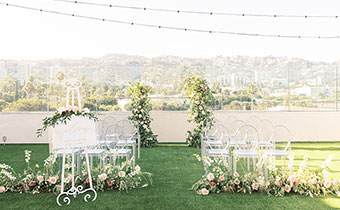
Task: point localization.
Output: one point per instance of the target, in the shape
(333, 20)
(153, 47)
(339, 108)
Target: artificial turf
(174, 171)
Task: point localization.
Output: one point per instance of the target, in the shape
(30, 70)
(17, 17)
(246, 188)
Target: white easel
(66, 134)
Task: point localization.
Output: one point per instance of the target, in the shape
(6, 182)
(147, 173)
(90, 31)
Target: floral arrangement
(62, 115)
(280, 181)
(140, 117)
(200, 97)
(34, 180)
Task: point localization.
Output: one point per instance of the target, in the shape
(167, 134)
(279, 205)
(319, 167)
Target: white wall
(172, 126)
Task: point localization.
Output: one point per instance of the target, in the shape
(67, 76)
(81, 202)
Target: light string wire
(165, 27)
(197, 12)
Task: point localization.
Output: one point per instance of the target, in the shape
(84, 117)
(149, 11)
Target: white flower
(144, 126)
(69, 108)
(210, 176)
(236, 174)
(140, 116)
(121, 174)
(61, 109)
(102, 176)
(200, 107)
(197, 102)
(139, 107)
(195, 115)
(137, 168)
(204, 191)
(2, 189)
(86, 110)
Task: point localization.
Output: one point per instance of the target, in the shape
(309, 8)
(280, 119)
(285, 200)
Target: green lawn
(174, 171)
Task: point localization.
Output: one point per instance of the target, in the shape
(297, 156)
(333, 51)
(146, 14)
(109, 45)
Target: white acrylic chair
(227, 122)
(282, 135)
(110, 120)
(234, 127)
(112, 142)
(128, 136)
(255, 121)
(210, 149)
(211, 135)
(266, 133)
(249, 134)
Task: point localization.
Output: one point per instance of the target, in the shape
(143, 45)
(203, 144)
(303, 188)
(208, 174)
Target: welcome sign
(78, 132)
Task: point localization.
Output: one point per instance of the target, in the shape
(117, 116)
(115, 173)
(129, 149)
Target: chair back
(255, 121)
(266, 130)
(249, 134)
(235, 125)
(282, 138)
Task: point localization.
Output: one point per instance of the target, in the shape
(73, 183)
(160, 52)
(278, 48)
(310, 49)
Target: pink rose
(52, 180)
(236, 174)
(2, 189)
(87, 180)
(102, 176)
(26, 187)
(327, 184)
(287, 188)
(40, 178)
(31, 183)
(278, 183)
(255, 186)
(261, 173)
(84, 173)
(143, 90)
(109, 182)
(211, 184)
(210, 176)
(204, 191)
(197, 102)
(221, 178)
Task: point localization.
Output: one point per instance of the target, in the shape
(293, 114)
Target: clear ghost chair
(229, 120)
(210, 135)
(255, 121)
(110, 120)
(101, 126)
(248, 134)
(234, 127)
(112, 142)
(281, 146)
(128, 136)
(266, 133)
(213, 150)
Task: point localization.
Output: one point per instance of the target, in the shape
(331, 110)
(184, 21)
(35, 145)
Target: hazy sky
(33, 35)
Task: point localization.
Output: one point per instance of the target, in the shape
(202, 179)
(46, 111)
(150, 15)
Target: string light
(198, 12)
(166, 27)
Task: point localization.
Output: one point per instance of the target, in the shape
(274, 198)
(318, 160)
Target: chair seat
(127, 143)
(217, 152)
(233, 143)
(214, 142)
(276, 153)
(93, 152)
(246, 153)
(67, 151)
(263, 143)
(120, 152)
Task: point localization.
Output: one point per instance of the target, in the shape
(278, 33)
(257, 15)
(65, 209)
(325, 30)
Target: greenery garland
(280, 182)
(36, 179)
(62, 115)
(140, 117)
(200, 98)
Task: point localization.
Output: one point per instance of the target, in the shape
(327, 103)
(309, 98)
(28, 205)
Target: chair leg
(248, 161)
(254, 163)
(235, 164)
